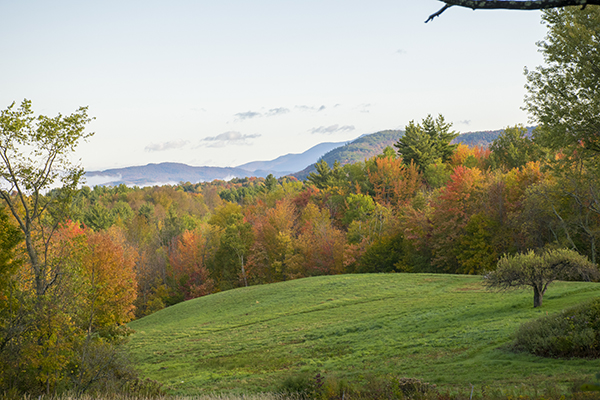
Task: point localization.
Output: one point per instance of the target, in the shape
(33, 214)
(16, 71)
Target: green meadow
(447, 330)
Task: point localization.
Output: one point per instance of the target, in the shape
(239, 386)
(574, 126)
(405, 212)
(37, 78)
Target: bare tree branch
(511, 5)
(437, 14)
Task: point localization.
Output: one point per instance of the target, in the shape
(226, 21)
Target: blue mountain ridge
(298, 165)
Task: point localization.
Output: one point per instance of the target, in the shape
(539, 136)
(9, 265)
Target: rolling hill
(444, 329)
(360, 149)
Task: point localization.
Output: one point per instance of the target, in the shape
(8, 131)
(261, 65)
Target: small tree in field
(539, 270)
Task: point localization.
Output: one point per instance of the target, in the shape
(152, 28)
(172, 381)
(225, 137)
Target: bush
(574, 332)
(319, 387)
(301, 384)
(411, 387)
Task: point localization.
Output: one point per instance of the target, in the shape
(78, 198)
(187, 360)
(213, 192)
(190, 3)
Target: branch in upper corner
(512, 4)
(437, 14)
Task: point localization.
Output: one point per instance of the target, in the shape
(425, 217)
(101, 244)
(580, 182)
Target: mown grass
(444, 329)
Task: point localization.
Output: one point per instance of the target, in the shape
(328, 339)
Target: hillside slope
(373, 144)
(445, 329)
(360, 149)
(482, 138)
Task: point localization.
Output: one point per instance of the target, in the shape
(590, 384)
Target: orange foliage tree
(110, 279)
(467, 156)
(274, 236)
(319, 248)
(394, 183)
(108, 290)
(188, 258)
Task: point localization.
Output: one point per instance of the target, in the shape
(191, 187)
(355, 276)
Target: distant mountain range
(291, 163)
(167, 173)
(173, 173)
(298, 165)
(483, 138)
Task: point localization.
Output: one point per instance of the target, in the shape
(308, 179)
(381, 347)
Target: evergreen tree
(424, 143)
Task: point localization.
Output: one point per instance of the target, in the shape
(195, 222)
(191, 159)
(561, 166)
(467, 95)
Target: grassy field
(445, 329)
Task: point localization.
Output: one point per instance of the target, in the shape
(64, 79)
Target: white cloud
(364, 108)
(311, 108)
(175, 144)
(277, 111)
(332, 129)
(255, 114)
(228, 138)
(247, 115)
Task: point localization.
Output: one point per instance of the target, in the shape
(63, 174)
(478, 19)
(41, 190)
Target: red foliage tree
(451, 211)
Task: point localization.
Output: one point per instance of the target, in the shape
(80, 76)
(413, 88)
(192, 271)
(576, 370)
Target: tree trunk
(243, 271)
(38, 271)
(537, 297)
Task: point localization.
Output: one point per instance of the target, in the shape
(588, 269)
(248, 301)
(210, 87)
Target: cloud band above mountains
(254, 114)
(228, 138)
(328, 130)
(164, 146)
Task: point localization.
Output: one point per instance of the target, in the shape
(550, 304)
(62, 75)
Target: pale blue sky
(226, 82)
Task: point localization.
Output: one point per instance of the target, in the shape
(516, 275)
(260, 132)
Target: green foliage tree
(322, 176)
(513, 148)
(567, 204)
(564, 95)
(476, 250)
(326, 176)
(270, 183)
(359, 208)
(34, 156)
(50, 289)
(437, 174)
(235, 241)
(10, 236)
(382, 255)
(538, 270)
(424, 143)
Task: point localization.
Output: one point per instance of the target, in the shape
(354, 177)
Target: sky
(222, 83)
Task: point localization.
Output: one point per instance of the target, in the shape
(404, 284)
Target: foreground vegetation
(444, 329)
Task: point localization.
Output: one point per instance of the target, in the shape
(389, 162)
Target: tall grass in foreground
(516, 394)
(263, 396)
